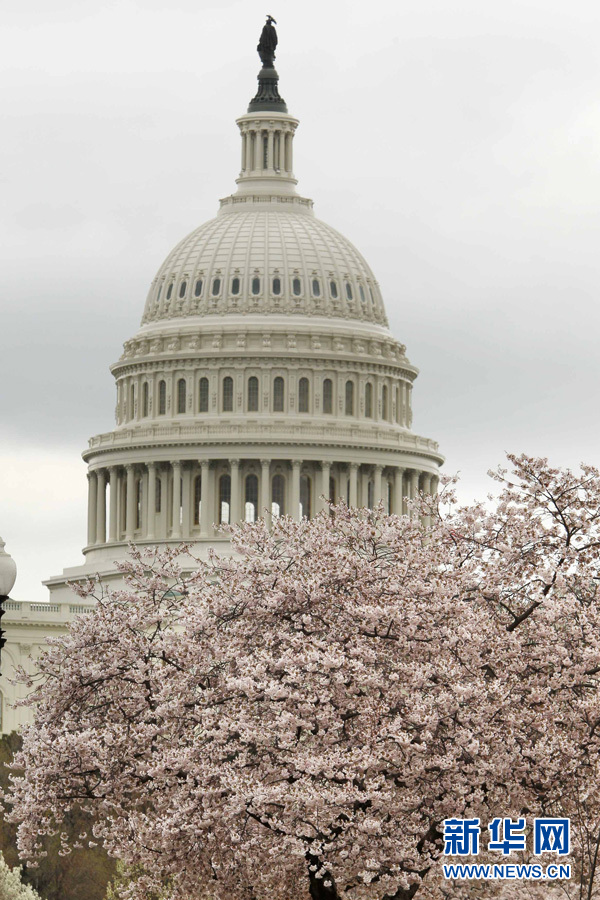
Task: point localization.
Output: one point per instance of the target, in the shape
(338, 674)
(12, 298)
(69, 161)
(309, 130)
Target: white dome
(255, 260)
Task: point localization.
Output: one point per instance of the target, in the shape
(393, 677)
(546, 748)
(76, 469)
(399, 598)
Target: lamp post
(8, 575)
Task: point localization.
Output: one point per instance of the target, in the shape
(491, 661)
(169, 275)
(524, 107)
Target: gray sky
(456, 144)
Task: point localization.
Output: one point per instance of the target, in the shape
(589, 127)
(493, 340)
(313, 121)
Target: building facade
(263, 380)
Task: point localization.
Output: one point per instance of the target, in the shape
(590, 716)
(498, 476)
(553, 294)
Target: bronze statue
(267, 44)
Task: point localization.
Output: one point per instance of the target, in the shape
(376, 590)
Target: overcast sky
(456, 144)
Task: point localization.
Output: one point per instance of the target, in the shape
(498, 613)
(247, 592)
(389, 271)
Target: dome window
(296, 287)
(305, 496)
(256, 286)
(169, 291)
(131, 402)
(333, 289)
(303, 395)
(278, 394)
(162, 398)
(277, 495)
(203, 395)
(235, 286)
(348, 290)
(224, 499)
(384, 403)
(253, 394)
(316, 287)
(216, 287)
(228, 394)
(145, 399)
(251, 502)
(328, 396)
(197, 499)
(369, 400)
(277, 286)
(198, 288)
(182, 289)
(349, 406)
(181, 392)
(362, 293)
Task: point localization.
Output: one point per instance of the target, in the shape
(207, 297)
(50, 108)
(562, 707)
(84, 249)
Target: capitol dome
(263, 379)
(265, 258)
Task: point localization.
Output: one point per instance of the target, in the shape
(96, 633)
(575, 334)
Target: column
(101, 507)
(151, 504)
(131, 503)
(364, 487)
(414, 483)
(265, 487)
(186, 502)
(324, 488)
(234, 512)
(176, 504)
(204, 501)
(113, 524)
(270, 150)
(377, 473)
(295, 503)
(92, 504)
(353, 484)
(398, 498)
(243, 166)
(257, 150)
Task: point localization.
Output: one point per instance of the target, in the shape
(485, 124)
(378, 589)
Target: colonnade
(181, 499)
(266, 148)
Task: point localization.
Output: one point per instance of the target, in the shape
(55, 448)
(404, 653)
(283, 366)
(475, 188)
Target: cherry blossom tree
(298, 720)
(11, 886)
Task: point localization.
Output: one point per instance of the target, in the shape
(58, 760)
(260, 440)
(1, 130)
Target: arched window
(198, 287)
(333, 289)
(145, 399)
(305, 496)
(349, 408)
(316, 287)
(203, 395)
(131, 401)
(384, 403)
(303, 395)
(348, 290)
(158, 495)
(235, 286)
(253, 394)
(256, 286)
(169, 291)
(138, 503)
(328, 396)
(181, 395)
(228, 394)
(162, 397)
(251, 504)
(276, 286)
(278, 394)
(197, 499)
(296, 287)
(216, 286)
(278, 495)
(369, 400)
(224, 499)
(182, 288)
